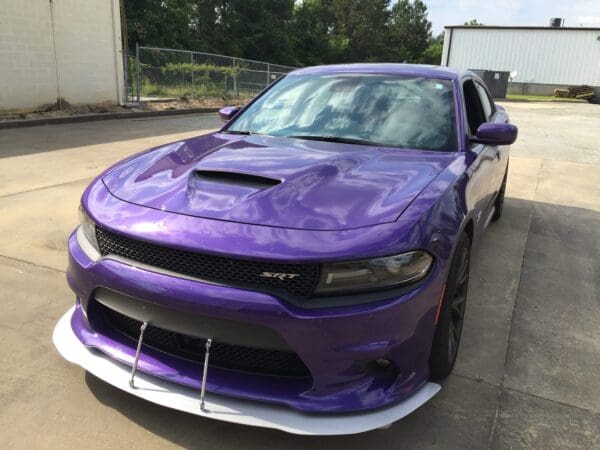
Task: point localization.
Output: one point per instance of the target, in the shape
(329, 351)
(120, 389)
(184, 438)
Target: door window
(486, 103)
(475, 112)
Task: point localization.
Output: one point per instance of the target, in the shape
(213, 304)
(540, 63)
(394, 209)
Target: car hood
(280, 182)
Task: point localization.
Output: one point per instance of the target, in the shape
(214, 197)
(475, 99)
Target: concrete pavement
(527, 374)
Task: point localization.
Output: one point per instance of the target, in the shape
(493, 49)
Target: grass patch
(205, 90)
(542, 98)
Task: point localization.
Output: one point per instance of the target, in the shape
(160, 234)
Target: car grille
(229, 271)
(227, 356)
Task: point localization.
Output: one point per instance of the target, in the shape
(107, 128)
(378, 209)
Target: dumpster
(496, 81)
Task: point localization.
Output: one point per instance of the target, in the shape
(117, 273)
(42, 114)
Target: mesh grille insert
(227, 356)
(234, 272)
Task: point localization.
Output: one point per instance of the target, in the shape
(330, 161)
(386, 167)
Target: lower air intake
(227, 356)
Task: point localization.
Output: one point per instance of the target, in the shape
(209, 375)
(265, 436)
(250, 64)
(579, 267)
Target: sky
(513, 12)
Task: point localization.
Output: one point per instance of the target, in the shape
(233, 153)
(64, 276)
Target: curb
(102, 116)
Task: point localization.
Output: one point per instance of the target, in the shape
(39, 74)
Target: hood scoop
(236, 178)
(216, 191)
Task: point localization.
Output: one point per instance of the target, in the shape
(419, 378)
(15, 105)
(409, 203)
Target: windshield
(394, 111)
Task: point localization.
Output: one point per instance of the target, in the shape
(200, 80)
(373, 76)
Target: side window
(475, 113)
(488, 108)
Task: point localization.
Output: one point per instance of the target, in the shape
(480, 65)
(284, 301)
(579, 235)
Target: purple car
(304, 268)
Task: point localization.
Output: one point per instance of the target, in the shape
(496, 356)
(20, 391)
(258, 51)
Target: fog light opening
(381, 367)
(383, 363)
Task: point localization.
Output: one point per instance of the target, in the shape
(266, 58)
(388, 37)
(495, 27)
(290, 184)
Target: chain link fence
(160, 73)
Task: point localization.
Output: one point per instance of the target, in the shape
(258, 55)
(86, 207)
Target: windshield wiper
(244, 132)
(339, 139)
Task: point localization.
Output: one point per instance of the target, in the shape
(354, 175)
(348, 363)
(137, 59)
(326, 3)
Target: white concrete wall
(60, 48)
(546, 56)
(27, 66)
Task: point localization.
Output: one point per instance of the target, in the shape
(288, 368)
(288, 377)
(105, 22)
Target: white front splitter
(226, 408)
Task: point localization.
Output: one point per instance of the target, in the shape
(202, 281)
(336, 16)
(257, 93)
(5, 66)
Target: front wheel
(448, 330)
(499, 202)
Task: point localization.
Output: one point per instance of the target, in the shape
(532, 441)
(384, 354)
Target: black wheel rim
(500, 200)
(458, 301)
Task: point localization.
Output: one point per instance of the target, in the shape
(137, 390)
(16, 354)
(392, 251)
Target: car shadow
(190, 431)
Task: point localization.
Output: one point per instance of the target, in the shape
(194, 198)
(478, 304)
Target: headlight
(88, 227)
(370, 274)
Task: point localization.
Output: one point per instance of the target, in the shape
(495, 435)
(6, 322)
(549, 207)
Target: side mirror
(227, 113)
(495, 134)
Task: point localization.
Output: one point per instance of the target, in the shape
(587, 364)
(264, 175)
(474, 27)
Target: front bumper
(225, 408)
(335, 344)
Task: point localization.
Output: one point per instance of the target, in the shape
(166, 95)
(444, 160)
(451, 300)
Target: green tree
(310, 32)
(433, 52)
(473, 23)
(257, 29)
(410, 31)
(164, 23)
(359, 30)
(286, 31)
(206, 24)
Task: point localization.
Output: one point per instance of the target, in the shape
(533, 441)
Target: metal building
(58, 50)
(540, 59)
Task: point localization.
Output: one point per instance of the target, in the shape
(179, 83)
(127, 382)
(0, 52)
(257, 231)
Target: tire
(499, 202)
(448, 330)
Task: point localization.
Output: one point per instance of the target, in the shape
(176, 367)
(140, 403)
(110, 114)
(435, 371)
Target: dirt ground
(66, 110)
(527, 374)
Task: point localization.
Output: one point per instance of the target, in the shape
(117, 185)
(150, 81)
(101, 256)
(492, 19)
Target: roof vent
(556, 22)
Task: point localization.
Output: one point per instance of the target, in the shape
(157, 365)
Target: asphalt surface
(529, 364)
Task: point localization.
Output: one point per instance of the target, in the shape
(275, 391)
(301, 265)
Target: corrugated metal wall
(549, 56)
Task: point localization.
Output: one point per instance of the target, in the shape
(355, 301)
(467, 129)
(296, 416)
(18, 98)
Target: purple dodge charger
(305, 267)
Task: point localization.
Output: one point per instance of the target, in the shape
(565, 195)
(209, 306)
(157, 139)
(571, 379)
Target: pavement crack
(558, 402)
(11, 194)
(40, 266)
(477, 380)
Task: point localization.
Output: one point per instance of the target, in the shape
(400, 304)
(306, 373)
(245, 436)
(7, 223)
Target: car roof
(385, 68)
